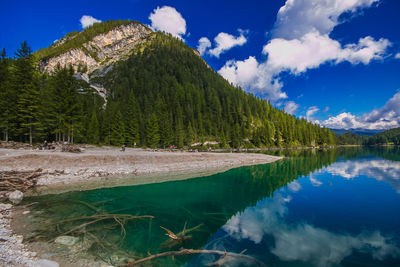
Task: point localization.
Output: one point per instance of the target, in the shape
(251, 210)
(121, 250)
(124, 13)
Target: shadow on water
(205, 203)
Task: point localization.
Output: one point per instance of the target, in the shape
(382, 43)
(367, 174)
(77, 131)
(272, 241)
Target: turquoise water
(338, 207)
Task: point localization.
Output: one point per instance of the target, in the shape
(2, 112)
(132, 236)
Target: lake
(336, 207)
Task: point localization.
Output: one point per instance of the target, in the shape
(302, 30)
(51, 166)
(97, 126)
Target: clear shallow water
(315, 208)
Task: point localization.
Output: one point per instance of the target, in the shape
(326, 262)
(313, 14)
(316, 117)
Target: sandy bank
(105, 167)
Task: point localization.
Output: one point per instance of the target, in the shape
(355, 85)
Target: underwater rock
(46, 263)
(66, 240)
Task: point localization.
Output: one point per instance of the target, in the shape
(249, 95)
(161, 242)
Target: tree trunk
(30, 135)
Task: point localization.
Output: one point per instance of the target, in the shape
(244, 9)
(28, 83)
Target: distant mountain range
(358, 131)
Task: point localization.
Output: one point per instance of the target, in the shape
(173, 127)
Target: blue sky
(335, 62)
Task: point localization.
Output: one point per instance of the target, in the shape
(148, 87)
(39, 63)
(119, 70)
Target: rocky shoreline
(13, 252)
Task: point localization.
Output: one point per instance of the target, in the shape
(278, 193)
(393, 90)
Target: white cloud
(311, 112)
(302, 241)
(204, 44)
(252, 76)
(385, 117)
(87, 21)
(314, 49)
(397, 56)
(291, 107)
(300, 41)
(225, 41)
(169, 20)
(299, 17)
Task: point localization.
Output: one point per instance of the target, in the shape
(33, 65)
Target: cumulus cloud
(313, 49)
(386, 117)
(291, 107)
(302, 241)
(397, 56)
(169, 20)
(87, 21)
(204, 44)
(225, 41)
(299, 17)
(300, 41)
(253, 77)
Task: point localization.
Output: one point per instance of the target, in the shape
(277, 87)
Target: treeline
(391, 136)
(162, 95)
(36, 107)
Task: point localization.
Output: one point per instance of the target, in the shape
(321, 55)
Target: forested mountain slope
(162, 94)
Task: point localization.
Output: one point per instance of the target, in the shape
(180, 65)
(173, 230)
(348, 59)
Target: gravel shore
(106, 167)
(12, 251)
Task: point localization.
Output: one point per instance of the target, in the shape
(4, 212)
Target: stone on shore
(16, 197)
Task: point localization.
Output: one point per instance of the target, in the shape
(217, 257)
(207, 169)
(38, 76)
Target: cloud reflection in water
(379, 169)
(303, 241)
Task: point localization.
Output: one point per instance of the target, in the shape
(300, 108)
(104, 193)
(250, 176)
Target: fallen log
(225, 257)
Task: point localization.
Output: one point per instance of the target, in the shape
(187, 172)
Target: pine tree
(191, 135)
(117, 137)
(8, 98)
(132, 121)
(152, 132)
(27, 87)
(93, 130)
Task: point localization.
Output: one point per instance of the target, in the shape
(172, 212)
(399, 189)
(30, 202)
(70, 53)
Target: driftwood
(225, 257)
(14, 145)
(18, 180)
(179, 238)
(70, 148)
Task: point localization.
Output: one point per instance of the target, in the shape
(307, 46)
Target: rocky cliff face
(102, 50)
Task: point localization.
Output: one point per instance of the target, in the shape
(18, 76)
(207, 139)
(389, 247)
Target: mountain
(94, 48)
(358, 131)
(118, 82)
(391, 136)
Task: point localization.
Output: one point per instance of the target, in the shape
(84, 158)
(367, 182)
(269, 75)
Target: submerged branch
(228, 256)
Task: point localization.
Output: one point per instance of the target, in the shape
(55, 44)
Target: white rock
(19, 238)
(16, 196)
(66, 240)
(5, 206)
(45, 263)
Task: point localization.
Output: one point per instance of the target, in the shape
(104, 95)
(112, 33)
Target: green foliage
(26, 85)
(152, 131)
(77, 39)
(351, 139)
(61, 108)
(117, 137)
(391, 136)
(93, 136)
